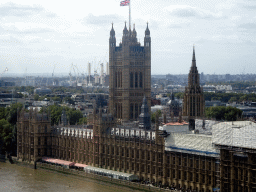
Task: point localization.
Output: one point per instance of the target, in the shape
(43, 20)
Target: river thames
(20, 178)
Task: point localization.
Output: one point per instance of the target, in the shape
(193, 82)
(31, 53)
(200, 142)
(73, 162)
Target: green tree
(69, 100)
(56, 112)
(82, 121)
(154, 115)
(223, 113)
(179, 95)
(3, 113)
(73, 115)
(232, 99)
(243, 98)
(6, 135)
(36, 97)
(12, 113)
(56, 99)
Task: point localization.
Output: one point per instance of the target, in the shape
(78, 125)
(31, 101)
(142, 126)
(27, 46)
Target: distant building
(225, 88)
(214, 103)
(29, 81)
(175, 88)
(42, 91)
(6, 83)
(209, 88)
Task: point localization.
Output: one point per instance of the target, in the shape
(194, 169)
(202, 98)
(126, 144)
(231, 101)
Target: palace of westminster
(124, 139)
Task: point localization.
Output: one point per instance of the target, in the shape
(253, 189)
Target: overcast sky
(41, 34)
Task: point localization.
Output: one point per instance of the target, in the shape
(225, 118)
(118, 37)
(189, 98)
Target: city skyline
(36, 37)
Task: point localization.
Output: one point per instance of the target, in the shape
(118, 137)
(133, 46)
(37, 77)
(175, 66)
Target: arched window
(141, 80)
(131, 79)
(136, 80)
(121, 79)
(136, 111)
(131, 111)
(115, 79)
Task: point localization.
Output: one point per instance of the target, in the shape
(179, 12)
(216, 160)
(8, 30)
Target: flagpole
(130, 15)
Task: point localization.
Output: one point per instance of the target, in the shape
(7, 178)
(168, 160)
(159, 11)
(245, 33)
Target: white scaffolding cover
(237, 134)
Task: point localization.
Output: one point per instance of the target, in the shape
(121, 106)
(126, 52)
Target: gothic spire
(194, 58)
(125, 28)
(125, 31)
(147, 32)
(112, 31)
(193, 108)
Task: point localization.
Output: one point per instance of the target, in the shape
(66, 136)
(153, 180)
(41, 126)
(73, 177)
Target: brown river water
(20, 178)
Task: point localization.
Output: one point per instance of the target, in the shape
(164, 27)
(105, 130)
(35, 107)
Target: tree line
(224, 97)
(223, 113)
(8, 128)
(73, 116)
(235, 84)
(8, 121)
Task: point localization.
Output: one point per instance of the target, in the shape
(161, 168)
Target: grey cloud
(142, 24)
(102, 19)
(187, 12)
(178, 26)
(247, 26)
(250, 43)
(33, 31)
(152, 25)
(30, 31)
(11, 40)
(12, 9)
(248, 4)
(51, 15)
(250, 7)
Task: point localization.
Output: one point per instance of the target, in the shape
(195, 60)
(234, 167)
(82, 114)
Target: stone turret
(144, 118)
(64, 120)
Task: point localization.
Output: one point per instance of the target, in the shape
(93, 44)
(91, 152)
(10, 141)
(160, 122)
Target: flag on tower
(125, 3)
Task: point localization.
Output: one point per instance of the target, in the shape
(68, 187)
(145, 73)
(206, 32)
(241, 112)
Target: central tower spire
(194, 57)
(193, 102)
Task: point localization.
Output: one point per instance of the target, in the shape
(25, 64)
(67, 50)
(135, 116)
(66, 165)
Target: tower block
(130, 74)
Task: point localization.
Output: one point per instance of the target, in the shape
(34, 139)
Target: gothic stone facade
(143, 156)
(237, 169)
(33, 135)
(130, 74)
(193, 102)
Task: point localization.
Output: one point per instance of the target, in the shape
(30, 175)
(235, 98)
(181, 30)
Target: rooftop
(240, 134)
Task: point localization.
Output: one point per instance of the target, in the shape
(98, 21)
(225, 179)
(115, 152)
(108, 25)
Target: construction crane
(70, 75)
(89, 74)
(53, 80)
(107, 69)
(101, 73)
(5, 70)
(77, 74)
(72, 68)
